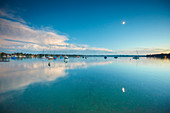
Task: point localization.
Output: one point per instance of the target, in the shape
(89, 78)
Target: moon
(123, 22)
(123, 89)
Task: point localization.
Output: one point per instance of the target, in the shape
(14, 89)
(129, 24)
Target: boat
(85, 57)
(19, 56)
(136, 56)
(78, 56)
(65, 57)
(8, 56)
(115, 57)
(13, 57)
(50, 58)
(105, 57)
(4, 56)
(61, 57)
(54, 57)
(43, 57)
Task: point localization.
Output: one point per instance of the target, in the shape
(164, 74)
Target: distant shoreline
(162, 55)
(72, 55)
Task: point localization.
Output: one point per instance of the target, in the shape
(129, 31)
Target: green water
(92, 85)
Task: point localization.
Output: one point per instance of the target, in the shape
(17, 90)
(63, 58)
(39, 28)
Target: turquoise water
(92, 85)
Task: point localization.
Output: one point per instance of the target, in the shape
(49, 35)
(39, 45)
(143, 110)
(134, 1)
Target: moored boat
(19, 56)
(50, 58)
(65, 57)
(13, 57)
(61, 57)
(4, 56)
(115, 57)
(43, 57)
(54, 57)
(136, 57)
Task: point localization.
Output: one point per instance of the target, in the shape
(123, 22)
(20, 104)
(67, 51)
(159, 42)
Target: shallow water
(85, 85)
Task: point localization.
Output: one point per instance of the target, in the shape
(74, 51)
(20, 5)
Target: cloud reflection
(20, 74)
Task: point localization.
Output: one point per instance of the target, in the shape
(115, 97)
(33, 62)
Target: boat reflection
(66, 60)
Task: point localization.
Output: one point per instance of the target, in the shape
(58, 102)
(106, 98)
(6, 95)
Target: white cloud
(15, 36)
(143, 51)
(9, 14)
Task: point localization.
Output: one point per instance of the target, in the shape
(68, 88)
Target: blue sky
(87, 26)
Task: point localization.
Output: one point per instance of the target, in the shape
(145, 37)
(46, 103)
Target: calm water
(85, 86)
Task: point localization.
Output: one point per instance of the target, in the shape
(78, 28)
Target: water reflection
(123, 89)
(19, 74)
(85, 85)
(66, 60)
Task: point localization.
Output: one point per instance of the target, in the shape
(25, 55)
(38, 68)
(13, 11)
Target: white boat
(50, 58)
(43, 57)
(8, 56)
(65, 57)
(4, 56)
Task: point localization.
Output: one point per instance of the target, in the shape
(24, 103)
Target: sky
(85, 26)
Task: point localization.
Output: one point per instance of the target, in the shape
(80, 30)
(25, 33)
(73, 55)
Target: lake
(93, 85)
